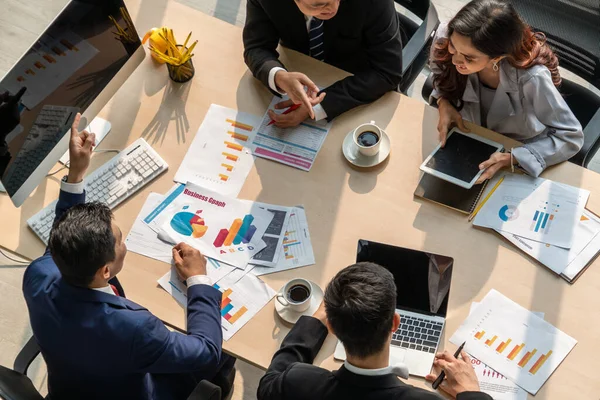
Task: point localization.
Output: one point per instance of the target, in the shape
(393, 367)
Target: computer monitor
(76, 65)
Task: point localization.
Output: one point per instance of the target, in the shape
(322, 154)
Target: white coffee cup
(368, 151)
(285, 298)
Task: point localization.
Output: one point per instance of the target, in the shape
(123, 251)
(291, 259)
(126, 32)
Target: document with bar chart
(221, 227)
(297, 250)
(536, 209)
(220, 156)
(513, 341)
(242, 299)
(274, 235)
(297, 147)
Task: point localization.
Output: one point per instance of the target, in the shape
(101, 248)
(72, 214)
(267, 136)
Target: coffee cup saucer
(290, 316)
(354, 157)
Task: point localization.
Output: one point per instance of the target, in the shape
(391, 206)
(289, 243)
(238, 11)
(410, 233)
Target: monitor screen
(61, 74)
(422, 279)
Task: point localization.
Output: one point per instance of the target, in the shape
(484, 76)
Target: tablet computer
(458, 161)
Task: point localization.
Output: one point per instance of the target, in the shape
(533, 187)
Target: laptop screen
(422, 279)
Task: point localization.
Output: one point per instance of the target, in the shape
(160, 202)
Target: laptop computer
(423, 287)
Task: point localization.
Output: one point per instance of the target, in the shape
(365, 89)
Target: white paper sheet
(297, 147)
(220, 156)
(534, 208)
(494, 383)
(221, 227)
(297, 248)
(557, 258)
(535, 350)
(274, 235)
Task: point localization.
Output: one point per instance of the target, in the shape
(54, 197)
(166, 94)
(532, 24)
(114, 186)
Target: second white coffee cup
(367, 138)
(296, 295)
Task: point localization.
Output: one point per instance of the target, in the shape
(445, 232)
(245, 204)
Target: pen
(294, 107)
(440, 378)
(486, 199)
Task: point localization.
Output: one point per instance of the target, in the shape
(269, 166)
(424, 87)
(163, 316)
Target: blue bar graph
(243, 229)
(539, 221)
(226, 309)
(545, 220)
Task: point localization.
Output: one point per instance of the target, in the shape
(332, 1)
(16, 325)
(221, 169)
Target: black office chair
(573, 31)
(15, 385)
(416, 51)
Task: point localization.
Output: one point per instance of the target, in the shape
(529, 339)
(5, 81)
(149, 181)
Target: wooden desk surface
(343, 204)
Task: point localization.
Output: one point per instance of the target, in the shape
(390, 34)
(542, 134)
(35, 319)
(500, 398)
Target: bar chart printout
(513, 341)
(241, 300)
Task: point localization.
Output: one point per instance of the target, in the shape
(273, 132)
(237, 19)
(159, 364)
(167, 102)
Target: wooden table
(343, 204)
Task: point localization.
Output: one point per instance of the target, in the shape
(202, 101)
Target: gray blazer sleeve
(562, 137)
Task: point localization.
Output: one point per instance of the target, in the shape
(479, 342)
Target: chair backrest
(573, 31)
(16, 386)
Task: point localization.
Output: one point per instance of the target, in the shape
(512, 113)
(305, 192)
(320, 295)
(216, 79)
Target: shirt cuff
(272, 84)
(199, 280)
(319, 112)
(73, 188)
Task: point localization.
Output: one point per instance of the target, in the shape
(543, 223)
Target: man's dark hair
(82, 241)
(360, 303)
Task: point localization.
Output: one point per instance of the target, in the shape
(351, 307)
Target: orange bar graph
(491, 341)
(503, 345)
(238, 136)
(226, 294)
(479, 335)
(234, 146)
(538, 364)
(235, 227)
(225, 301)
(223, 177)
(230, 156)
(237, 315)
(240, 125)
(227, 167)
(515, 351)
(527, 357)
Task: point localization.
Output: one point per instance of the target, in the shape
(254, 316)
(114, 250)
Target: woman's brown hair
(495, 29)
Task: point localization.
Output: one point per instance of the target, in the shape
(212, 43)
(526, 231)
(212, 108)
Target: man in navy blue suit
(96, 343)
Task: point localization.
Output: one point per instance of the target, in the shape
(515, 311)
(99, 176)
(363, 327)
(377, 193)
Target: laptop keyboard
(418, 334)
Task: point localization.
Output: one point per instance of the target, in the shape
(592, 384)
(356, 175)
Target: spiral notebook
(448, 194)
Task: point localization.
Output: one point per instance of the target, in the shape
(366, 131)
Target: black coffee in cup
(367, 139)
(298, 293)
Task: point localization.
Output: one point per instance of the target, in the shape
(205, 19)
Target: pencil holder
(184, 72)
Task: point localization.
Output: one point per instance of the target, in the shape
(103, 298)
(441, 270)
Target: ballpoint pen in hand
(294, 107)
(442, 375)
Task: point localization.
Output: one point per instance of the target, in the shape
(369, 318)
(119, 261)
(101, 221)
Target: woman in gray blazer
(490, 68)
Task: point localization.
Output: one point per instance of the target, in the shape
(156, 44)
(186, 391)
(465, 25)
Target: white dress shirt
(400, 370)
(318, 109)
(77, 188)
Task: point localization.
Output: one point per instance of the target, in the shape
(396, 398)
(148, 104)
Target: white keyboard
(112, 183)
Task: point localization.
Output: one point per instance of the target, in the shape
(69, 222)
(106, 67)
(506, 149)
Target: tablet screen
(461, 156)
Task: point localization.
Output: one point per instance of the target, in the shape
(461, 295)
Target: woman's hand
(495, 163)
(449, 117)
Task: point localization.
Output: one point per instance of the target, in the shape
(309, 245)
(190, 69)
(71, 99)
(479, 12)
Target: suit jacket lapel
(507, 94)
(379, 382)
(297, 28)
(471, 100)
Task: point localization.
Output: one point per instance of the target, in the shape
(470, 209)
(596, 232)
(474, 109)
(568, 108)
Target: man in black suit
(359, 308)
(360, 36)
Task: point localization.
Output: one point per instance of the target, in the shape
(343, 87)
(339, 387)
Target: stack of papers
(513, 341)
(546, 220)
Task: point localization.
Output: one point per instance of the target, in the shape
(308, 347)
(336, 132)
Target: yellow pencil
(486, 199)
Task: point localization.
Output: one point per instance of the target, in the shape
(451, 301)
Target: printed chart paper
(534, 208)
(557, 258)
(221, 227)
(513, 341)
(153, 217)
(176, 287)
(274, 235)
(220, 156)
(296, 247)
(297, 147)
(241, 301)
(494, 383)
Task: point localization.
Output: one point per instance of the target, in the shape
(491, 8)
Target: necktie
(114, 288)
(315, 39)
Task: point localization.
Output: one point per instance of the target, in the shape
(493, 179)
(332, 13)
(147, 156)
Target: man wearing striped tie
(362, 37)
